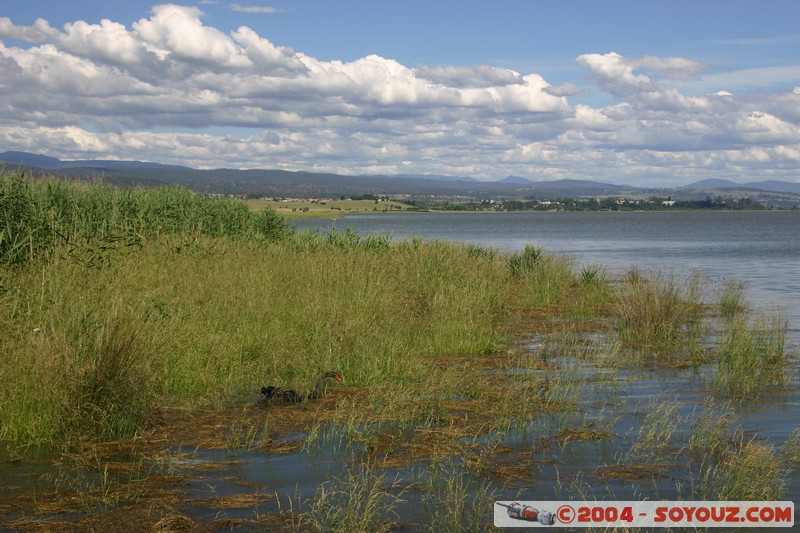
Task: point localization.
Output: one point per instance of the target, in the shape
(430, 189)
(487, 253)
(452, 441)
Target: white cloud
(678, 68)
(615, 74)
(172, 88)
(479, 76)
(108, 41)
(176, 32)
(39, 32)
(265, 56)
(567, 89)
(255, 9)
(742, 80)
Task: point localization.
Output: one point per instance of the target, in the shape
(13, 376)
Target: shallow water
(551, 465)
(557, 468)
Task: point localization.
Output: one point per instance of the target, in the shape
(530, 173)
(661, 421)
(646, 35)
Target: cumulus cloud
(174, 88)
(267, 57)
(39, 32)
(615, 74)
(255, 9)
(479, 76)
(177, 32)
(567, 89)
(678, 68)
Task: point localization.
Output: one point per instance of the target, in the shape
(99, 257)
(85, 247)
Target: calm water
(760, 249)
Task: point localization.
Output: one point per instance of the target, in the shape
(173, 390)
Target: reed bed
(657, 311)
(752, 356)
(361, 501)
(197, 315)
(93, 220)
(122, 311)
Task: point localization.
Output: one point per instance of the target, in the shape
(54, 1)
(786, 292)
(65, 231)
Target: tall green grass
(652, 441)
(36, 217)
(657, 310)
(732, 302)
(456, 503)
(752, 356)
(358, 502)
(732, 465)
(190, 318)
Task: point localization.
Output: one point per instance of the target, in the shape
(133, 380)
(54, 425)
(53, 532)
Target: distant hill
(516, 180)
(710, 184)
(768, 185)
(432, 177)
(51, 163)
(282, 183)
(568, 187)
(16, 159)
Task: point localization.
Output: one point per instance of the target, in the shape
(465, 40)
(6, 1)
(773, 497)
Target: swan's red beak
(337, 377)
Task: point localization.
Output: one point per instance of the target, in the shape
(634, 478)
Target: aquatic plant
(92, 220)
(652, 443)
(89, 378)
(732, 302)
(457, 504)
(657, 310)
(790, 450)
(749, 470)
(475, 250)
(360, 501)
(590, 275)
(709, 436)
(751, 357)
(526, 261)
(215, 317)
(730, 465)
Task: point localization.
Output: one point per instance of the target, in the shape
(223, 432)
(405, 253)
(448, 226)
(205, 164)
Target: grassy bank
(327, 208)
(191, 316)
(115, 304)
(466, 369)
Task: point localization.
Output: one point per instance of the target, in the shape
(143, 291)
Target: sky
(646, 93)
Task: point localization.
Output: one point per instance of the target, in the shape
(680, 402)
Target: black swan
(274, 394)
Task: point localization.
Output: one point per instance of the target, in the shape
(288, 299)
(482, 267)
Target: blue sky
(634, 92)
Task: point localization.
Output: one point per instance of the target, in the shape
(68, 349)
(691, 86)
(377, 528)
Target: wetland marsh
(135, 354)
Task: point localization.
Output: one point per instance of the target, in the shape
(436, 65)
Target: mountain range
(282, 183)
(767, 185)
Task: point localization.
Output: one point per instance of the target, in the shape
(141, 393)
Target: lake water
(760, 249)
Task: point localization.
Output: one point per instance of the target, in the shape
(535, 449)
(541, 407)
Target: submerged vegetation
(129, 315)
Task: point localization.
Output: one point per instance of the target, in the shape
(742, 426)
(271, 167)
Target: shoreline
(468, 370)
